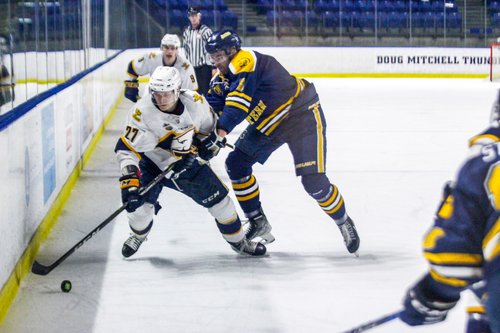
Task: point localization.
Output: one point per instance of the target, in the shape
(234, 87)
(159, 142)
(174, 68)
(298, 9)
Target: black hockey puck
(66, 286)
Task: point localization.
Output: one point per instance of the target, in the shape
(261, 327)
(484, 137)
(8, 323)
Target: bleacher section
(364, 16)
(55, 18)
(174, 12)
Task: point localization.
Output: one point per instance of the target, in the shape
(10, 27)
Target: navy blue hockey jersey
(464, 244)
(258, 89)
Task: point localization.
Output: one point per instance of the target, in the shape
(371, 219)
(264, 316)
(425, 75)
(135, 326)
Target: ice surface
(392, 143)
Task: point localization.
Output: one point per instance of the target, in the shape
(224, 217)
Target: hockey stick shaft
(40, 269)
(374, 323)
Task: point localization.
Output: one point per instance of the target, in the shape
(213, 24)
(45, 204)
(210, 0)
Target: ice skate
(246, 246)
(350, 235)
(258, 226)
(132, 244)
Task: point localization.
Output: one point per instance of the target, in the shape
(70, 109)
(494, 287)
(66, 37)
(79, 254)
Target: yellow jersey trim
(454, 258)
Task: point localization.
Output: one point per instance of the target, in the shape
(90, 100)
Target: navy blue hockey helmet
(223, 40)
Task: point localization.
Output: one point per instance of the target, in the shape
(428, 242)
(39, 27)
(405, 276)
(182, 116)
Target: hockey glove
(185, 164)
(210, 147)
(132, 90)
(421, 310)
(130, 184)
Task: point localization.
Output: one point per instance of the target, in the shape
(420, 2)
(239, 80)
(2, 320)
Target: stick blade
(39, 269)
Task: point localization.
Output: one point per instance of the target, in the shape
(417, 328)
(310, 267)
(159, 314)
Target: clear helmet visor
(219, 57)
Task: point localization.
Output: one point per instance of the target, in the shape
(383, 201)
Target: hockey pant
(200, 184)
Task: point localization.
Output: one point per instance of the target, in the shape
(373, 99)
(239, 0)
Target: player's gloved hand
(211, 146)
(132, 90)
(183, 165)
(130, 184)
(420, 310)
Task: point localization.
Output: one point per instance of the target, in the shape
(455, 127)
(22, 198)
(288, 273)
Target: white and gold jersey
(164, 137)
(147, 63)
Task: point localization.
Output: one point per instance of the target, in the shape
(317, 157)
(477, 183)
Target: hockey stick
(374, 323)
(40, 269)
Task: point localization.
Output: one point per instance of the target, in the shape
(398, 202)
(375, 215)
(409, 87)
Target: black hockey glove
(130, 184)
(132, 90)
(419, 309)
(183, 165)
(211, 146)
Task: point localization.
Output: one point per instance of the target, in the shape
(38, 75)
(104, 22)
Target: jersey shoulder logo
(185, 66)
(244, 61)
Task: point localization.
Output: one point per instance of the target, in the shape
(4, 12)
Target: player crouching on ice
(161, 132)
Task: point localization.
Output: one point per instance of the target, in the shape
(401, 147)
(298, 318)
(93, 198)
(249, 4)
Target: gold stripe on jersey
(446, 280)
(432, 238)
(272, 128)
(476, 309)
(495, 252)
(240, 94)
(166, 136)
(319, 134)
(492, 185)
(125, 142)
(278, 112)
(237, 105)
(454, 258)
(491, 242)
(486, 137)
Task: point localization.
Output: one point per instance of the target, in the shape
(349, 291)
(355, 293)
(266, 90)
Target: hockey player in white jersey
(162, 131)
(147, 63)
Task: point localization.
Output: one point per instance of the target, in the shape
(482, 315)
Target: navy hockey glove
(421, 310)
(130, 184)
(211, 146)
(183, 165)
(132, 90)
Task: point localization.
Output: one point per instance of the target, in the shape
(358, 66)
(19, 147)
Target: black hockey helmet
(223, 40)
(192, 10)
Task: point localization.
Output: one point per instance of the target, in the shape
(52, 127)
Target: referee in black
(195, 36)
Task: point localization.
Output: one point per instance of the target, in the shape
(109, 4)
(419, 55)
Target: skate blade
(356, 254)
(265, 239)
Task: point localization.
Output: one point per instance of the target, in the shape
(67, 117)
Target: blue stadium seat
(229, 19)
(286, 18)
(348, 5)
(330, 19)
(264, 6)
(401, 6)
(495, 20)
(297, 18)
(312, 19)
(271, 17)
(453, 20)
(367, 20)
(429, 20)
(386, 6)
(417, 20)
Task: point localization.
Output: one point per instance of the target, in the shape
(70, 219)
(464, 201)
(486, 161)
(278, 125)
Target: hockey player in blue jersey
(463, 246)
(280, 108)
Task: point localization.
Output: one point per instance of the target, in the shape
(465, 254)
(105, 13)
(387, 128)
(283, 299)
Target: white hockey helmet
(165, 79)
(171, 39)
